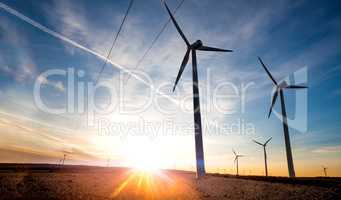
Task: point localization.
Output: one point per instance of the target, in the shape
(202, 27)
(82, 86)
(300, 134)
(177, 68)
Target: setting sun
(142, 155)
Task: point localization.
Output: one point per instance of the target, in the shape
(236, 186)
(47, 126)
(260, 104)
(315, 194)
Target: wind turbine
(192, 48)
(236, 159)
(108, 162)
(279, 90)
(265, 155)
(60, 162)
(325, 171)
(63, 159)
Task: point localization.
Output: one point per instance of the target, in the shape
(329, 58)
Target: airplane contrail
(75, 44)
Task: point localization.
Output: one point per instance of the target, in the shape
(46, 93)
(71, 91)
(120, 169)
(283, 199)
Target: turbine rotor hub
(283, 84)
(197, 44)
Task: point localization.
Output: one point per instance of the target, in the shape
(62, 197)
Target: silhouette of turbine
(236, 159)
(325, 171)
(192, 48)
(279, 90)
(63, 161)
(265, 155)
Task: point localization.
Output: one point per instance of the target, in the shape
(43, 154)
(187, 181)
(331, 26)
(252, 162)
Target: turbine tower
(192, 48)
(279, 91)
(236, 159)
(265, 155)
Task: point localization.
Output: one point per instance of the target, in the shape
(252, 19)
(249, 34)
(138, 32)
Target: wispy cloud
(20, 66)
(328, 149)
(58, 85)
(24, 135)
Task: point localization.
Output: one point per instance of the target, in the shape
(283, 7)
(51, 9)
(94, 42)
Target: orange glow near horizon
(42, 144)
(146, 184)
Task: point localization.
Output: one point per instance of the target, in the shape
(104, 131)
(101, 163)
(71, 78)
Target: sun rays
(150, 184)
(140, 181)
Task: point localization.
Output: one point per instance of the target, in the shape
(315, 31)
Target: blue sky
(288, 35)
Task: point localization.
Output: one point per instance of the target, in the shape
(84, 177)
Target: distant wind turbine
(325, 171)
(60, 162)
(108, 162)
(279, 90)
(192, 48)
(265, 155)
(236, 159)
(63, 161)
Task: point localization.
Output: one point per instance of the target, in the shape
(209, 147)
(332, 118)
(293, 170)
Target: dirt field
(73, 183)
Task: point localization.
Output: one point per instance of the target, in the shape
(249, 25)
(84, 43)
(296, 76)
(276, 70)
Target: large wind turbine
(279, 90)
(265, 155)
(236, 159)
(192, 48)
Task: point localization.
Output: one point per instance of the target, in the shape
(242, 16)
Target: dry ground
(128, 184)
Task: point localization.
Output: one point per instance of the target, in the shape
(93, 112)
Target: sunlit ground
(147, 179)
(122, 183)
(148, 182)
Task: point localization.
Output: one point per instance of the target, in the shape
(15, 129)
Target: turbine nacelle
(197, 44)
(282, 85)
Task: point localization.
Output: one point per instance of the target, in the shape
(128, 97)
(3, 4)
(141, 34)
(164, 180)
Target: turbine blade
(182, 67)
(267, 71)
(205, 48)
(296, 87)
(273, 103)
(257, 142)
(267, 141)
(234, 152)
(177, 25)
